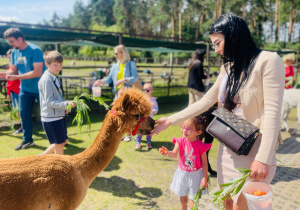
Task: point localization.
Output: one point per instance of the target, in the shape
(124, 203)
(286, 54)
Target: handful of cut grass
(12, 115)
(232, 188)
(82, 109)
(198, 195)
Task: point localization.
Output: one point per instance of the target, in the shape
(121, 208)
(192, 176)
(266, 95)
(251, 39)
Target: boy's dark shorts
(56, 131)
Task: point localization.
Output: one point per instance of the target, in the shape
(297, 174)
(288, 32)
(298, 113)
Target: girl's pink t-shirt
(190, 153)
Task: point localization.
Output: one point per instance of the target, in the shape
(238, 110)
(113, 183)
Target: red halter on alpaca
(137, 126)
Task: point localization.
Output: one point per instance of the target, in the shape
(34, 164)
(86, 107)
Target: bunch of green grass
(82, 109)
(12, 116)
(232, 188)
(198, 195)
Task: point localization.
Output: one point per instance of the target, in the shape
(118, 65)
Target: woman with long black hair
(254, 94)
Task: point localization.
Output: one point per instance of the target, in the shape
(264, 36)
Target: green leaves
(232, 188)
(12, 115)
(198, 195)
(197, 198)
(83, 109)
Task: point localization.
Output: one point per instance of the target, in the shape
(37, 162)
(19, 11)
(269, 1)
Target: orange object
(164, 150)
(258, 193)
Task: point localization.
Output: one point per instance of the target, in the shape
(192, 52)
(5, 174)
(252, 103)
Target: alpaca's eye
(138, 117)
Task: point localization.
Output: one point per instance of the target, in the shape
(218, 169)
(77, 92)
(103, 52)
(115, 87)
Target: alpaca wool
(61, 181)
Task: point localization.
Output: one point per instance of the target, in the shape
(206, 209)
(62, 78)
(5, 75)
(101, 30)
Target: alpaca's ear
(125, 102)
(121, 91)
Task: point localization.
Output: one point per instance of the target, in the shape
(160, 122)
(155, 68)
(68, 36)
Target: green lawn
(133, 179)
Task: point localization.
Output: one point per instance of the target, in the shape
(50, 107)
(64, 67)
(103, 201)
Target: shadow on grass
(121, 187)
(172, 104)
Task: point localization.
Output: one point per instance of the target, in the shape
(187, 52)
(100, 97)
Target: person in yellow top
(123, 73)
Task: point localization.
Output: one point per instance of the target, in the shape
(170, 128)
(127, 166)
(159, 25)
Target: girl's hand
(259, 170)
(67, 111)
(203, 183)
(164, 151)
(161, 124)
(8, 97)
(119, 82)
(72, 104)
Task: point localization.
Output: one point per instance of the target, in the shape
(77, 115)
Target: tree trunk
(172, 19)
(253, 21)
(292, 17)
(272, 22)
(277, 20)
(220, 8)
(197, 27)
(244, 10)
(215, 10)
(180, 21)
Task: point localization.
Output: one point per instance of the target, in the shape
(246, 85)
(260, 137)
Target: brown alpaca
(61, 182)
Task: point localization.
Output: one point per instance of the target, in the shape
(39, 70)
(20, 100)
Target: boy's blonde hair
(53, 56)
(288, 57)
(121, 48)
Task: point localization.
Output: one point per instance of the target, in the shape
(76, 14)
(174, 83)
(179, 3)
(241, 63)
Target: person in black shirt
(196, 74)
(196, 90)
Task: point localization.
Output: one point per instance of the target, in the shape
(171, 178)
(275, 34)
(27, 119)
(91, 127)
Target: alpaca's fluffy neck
(95, 159)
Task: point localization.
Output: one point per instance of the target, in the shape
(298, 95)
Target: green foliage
(134, 53)
(163, 18)
(198, 195)
(102, 12)
(12, 116)
(83, 109)
(294, 46)
(4, 47)
(232, 188)
(277, 46)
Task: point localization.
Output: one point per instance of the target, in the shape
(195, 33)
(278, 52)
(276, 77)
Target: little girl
(192, 169)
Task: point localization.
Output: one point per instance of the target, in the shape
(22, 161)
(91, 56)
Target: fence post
(170, 73)
(120, 39)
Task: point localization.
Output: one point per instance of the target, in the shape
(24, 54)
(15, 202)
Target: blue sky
(34, 11)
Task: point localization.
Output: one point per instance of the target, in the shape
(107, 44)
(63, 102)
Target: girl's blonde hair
(288, 57)
(121, 48)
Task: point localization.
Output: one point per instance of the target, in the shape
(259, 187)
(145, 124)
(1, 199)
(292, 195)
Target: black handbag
(235, 133)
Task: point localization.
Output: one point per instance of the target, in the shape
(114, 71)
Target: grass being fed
(82, 109)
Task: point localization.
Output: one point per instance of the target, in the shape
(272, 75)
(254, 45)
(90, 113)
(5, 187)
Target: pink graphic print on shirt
(190, 153)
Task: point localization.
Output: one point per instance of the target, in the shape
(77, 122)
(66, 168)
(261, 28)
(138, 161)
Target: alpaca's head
(131, 106)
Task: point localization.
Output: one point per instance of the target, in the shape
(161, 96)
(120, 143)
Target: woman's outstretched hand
(99, 82)
(259, 170)
(161, 124)
(119, 82)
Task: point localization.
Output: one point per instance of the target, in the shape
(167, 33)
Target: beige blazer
(261, 99)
